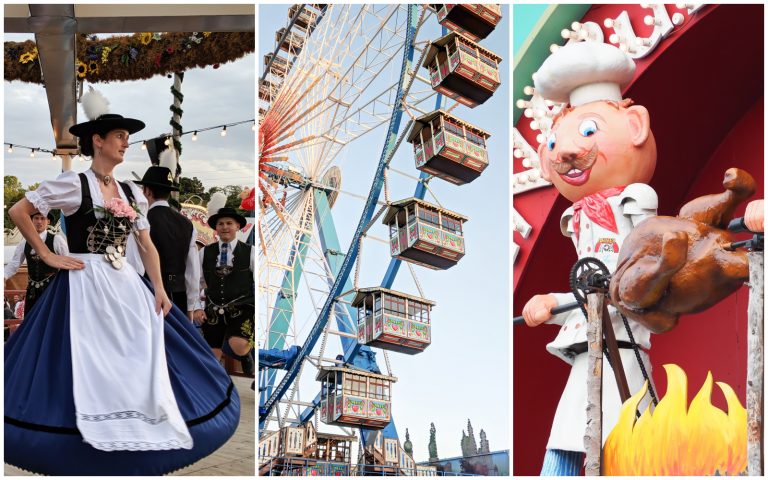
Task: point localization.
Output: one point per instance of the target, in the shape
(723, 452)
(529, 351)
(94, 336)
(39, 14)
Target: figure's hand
(537, 310)
(62, 262)
(754, 216)
(162, 302)
(199, 317)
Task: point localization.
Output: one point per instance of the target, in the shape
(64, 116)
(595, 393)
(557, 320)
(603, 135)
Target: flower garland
(134, 57)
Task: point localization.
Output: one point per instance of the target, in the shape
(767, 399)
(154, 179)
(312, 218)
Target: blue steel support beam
(365, 218)
(283, 312)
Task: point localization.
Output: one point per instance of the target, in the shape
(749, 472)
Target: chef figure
(599, 154)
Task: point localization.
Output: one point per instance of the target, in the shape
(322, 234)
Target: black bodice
(39, 270)
(82, 223)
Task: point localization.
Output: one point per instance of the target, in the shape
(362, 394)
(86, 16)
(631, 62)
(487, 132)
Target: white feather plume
(94, 104)
(167, 159)
(217, 202)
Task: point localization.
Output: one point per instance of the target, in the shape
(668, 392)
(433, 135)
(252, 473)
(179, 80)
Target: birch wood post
(593, 435)
(755, 366)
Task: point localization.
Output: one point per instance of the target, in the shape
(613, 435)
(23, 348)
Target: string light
(32, 153)
(143, 143)
(167, 141)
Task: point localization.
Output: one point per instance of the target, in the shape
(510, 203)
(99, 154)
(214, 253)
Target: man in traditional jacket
(40, 274)
(229, 290)
(173, 235)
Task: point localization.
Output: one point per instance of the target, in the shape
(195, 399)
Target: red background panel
(703, 87)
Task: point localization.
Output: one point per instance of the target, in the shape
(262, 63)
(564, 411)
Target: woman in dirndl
(106, 376)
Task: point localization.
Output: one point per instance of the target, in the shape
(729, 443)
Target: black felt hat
(96, 108)
(51, 217)
(158, 177)
(105, 124)
(226, 212)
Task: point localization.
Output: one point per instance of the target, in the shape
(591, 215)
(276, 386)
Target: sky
(464, 374)
(211, 97)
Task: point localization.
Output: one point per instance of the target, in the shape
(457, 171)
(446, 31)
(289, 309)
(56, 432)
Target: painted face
(40, 222)
(227, 228)
(598, 146)
(114, 145)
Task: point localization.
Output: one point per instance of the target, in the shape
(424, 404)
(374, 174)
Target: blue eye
(551, 140)
(587, 128)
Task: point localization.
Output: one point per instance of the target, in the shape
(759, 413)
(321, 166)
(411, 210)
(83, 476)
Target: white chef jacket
(636, 203)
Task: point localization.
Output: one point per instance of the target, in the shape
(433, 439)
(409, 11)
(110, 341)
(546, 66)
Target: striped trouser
(562, 463)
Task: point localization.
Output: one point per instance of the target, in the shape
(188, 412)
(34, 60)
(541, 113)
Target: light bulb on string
(32, 153)
(253, 127)
(194, 136)
(10, 148)
(224, 131)
(144, 145)
(167, 141)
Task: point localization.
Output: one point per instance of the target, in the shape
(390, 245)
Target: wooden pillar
(593, 435)
(755, 366)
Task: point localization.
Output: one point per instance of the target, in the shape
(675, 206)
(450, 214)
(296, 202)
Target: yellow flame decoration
(676, 439)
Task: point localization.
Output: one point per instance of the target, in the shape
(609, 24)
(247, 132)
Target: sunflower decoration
(28, 56)
(145, 38)
(93, 67)
(82, 69)
(105, 54)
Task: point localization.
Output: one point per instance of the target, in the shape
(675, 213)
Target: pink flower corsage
(119, 208)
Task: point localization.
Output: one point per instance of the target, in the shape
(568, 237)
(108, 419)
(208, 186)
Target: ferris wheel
(346, 79)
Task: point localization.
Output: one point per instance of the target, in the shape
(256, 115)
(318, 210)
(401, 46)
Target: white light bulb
(540, 138)
(576, 26)
(614, 38)
(553, 48)
(194, 136)
(167, 141)
(678, 19)
(528, 90)
(527, 162)
(253, 127)
(32, 153)
(644, 5)
(534, 125)
(608, 22)
(649, 20)
(143, 145)
(528, 113)
(565, 33)
(681, 6)
(10, 148)
(521, 103)
(224, 131)
(517, 153)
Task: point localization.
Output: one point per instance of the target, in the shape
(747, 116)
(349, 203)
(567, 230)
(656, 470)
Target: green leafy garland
(134, 57)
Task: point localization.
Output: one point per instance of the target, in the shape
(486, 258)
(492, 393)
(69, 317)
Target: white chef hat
(583, 72)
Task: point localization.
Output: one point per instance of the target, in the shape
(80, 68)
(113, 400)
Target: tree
(191, 186)
(13, 191)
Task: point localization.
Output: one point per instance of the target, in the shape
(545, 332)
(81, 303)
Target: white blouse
(65, 193)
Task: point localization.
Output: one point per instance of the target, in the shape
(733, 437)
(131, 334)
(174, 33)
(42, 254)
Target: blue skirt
(41, 435)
